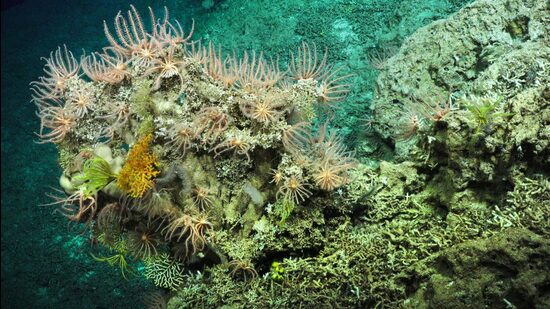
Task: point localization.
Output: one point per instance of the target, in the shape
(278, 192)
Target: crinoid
(294, 189)
(143, 241)
(210, 122)
(110, 220)
(131, 35)
(111, 214)
(118, 117)
(196, 242)
(60, 67)
(277, 176)
(332, 87)
(166, 67)
(202, 225)
(80, 102)
(237, 141)
(58, 120)
(331, 160)
(434, 107)
(171, 34)
(179, 228)
(266, 110)
(110, 66)
(306, 64)
(225, 70)
(255, 73)
(409, 124)
(77, 207)
(181, 137)
(242, 269)
(329, 177)
(296, 137)
(202, 198)
(156, 203)
(191, 230)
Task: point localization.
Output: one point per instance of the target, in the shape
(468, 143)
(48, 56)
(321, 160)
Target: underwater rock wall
(507, 270)
(492, 50)
(475, 169)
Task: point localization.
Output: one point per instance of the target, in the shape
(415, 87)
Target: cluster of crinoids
(153, 129)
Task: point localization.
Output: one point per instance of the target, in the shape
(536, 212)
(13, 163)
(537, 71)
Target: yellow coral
(136, 176)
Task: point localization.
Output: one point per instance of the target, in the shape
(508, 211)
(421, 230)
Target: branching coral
(136, 176)
(164, 272)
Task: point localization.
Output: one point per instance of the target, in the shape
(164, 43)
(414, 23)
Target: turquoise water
(45, 262)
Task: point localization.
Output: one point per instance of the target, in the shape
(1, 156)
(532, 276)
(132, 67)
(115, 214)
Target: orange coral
(136, 176)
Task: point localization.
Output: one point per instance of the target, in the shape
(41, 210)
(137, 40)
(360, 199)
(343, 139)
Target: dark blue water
(45, 263)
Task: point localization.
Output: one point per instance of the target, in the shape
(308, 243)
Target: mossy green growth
(141, 103)
(147, 126)
(67, 154)
(283, 208)
(95, 175)
(487, 272)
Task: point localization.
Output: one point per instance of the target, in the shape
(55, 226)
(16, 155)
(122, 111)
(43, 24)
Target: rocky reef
(210, 174)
